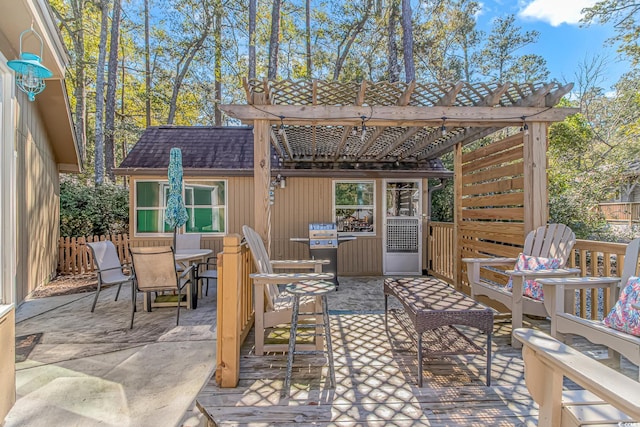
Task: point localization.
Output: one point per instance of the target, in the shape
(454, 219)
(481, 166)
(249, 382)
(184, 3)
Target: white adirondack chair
(608, 397)
(550, 241)
(564, 321)
(273, 308)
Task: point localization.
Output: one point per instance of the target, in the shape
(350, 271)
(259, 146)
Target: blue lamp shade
(30, 73)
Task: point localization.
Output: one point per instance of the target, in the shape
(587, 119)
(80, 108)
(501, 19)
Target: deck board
(376, 374)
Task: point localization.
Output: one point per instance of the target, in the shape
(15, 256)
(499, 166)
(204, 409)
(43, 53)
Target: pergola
(395, 129)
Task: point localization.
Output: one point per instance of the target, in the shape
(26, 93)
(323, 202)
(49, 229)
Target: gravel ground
(67, 284)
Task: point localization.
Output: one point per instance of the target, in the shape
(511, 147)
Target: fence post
(229, 323)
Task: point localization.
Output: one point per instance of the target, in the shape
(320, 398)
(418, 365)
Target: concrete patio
(90, 369)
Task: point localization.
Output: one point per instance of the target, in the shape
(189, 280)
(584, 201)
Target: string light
(363, 135)
(525, 127)
(443, 128)
(281, 130)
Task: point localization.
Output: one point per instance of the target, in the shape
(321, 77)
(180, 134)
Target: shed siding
(304, 200)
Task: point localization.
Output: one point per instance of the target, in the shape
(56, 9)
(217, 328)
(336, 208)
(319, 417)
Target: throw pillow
(531, 288)
(623, 316)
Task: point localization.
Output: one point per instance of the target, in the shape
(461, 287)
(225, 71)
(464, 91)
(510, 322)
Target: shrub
(86, 210)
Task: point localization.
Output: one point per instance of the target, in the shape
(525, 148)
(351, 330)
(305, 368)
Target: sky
(563, 41)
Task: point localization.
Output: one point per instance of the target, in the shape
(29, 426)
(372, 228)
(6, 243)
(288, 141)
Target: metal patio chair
(154, 270)
(110, 271)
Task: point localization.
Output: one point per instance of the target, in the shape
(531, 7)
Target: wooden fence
(622, 212)
(74, 256)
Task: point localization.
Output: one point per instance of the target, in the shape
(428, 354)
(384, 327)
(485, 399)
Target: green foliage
(86, 210)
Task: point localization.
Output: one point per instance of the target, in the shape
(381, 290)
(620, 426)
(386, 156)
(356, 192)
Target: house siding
(37, 199)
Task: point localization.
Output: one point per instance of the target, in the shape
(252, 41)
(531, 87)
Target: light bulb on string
(525, 127)
(443, 128)
(281, 130)
(363, 135)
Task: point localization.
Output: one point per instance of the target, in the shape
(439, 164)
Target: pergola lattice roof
(319, 123)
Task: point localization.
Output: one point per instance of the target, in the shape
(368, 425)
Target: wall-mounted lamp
(30, 73)
(279, 180)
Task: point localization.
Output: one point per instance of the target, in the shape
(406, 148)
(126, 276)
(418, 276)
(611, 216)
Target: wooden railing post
(230, 269)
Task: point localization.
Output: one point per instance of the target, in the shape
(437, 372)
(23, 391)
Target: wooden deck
(376, 374)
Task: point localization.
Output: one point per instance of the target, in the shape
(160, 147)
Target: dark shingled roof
(203, 147)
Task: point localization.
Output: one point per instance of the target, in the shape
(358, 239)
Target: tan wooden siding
(37, 203)
(492, 219)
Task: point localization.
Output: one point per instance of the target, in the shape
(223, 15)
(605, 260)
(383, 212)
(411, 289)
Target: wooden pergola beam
(350, 115)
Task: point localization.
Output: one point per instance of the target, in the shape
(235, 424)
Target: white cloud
(556, 12)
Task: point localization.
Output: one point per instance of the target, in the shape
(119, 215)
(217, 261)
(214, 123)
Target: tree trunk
(393, 69)
(110, 107)
(76, 34)
(217, 35)
(99, 126)
(252, 38)
(407, 42)
(308, 36)
(274, 41)
(147, 66)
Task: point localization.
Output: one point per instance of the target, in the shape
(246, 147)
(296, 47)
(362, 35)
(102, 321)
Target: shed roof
(228, 151)
(203, 148)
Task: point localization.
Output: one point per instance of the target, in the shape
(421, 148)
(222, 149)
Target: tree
(349, 33)
(407, 42)
(147, 66)
(624, 14)
(252, 38)
(73, 24)
(110, 105)
(197, 30)
(498, 55)
(393, 69)
(103, 6)
(274, 40)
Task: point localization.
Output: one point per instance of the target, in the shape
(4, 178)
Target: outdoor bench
(433, 308)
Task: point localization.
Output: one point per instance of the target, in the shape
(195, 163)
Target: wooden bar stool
(315, 288)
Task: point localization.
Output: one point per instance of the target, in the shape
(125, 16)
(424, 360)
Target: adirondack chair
(564, 321)
(273, 308)
(549, 241)
(608, 398)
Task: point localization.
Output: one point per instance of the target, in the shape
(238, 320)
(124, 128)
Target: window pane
(147, 194)
(205, 220)
(354, 193)
(202, 196)
(148, 221)
(354, 220)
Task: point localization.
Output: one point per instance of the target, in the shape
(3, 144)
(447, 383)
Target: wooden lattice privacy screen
(492, 204)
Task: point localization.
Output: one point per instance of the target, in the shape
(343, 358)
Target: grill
(323, 242)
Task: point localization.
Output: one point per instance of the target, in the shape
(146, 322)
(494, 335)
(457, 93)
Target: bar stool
(320, 289)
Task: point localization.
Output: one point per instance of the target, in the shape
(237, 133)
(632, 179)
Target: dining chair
(154, 270)
(110, 270)
(208, 271)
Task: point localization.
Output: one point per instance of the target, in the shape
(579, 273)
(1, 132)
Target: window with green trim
(354, 206)
(205, 202)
